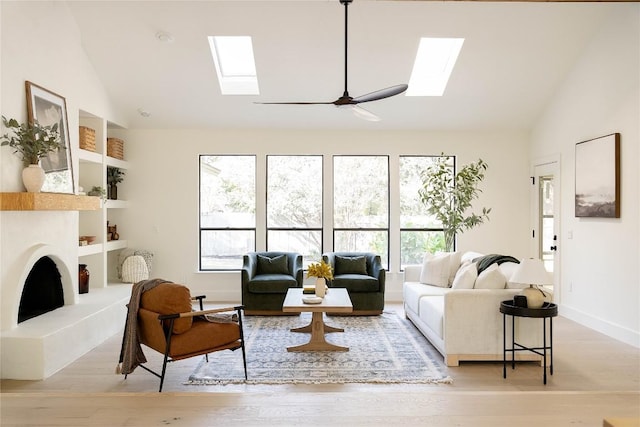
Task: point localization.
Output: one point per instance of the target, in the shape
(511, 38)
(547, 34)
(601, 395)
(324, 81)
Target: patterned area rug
(383, 349)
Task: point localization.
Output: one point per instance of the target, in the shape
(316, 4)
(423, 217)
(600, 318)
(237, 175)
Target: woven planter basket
(115, 148)
(87, 138)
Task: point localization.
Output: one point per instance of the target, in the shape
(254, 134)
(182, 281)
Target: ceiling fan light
(360, 112)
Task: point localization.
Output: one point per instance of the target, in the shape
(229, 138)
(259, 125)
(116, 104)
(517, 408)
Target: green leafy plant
(31, 141)
(448, 197)
(114, 175)
(98, 192)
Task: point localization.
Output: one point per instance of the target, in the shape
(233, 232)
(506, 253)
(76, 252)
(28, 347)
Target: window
(294, 205)
(227, 210)
(361, 205)
(419, 232)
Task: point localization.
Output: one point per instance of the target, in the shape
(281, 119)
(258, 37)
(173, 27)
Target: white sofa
(463, 323)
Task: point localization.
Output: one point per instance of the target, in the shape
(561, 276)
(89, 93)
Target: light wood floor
(595, 378)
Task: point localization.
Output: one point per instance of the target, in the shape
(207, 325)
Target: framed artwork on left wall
(48, 108)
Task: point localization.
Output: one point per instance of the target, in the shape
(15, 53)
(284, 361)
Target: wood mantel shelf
(47, 202)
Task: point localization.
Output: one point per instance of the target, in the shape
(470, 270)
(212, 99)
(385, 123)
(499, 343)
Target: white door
(546, 219)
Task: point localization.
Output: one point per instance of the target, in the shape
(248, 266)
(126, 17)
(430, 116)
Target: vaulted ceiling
(515, 56)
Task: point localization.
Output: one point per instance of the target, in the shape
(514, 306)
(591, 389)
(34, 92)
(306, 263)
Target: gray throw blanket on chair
(131, 354)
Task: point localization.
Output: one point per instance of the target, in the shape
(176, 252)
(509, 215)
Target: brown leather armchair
(167, 324)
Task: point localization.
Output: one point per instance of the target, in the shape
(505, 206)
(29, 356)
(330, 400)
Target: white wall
(40, 43)
(50, 56)
(601, 95)
(162, 188)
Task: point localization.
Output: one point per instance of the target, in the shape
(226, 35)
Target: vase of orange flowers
(322, 272)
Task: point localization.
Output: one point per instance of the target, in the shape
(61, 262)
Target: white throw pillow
(455, 260)
(435, 270)
(466, 276)
(491, 278)
(134, 269)
(470, 256)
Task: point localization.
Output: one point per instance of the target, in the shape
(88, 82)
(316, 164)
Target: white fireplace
(38, 347)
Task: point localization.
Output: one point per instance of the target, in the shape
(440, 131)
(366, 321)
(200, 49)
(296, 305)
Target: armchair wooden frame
(169, 333)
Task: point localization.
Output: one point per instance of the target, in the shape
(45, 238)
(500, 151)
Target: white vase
(33, 178)
(321, 286)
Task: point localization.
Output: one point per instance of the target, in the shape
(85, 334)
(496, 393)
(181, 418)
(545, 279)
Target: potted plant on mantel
(114, 177)
(448, 197)
(32, 142)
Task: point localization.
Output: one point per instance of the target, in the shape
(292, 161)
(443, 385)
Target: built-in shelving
(100, 256)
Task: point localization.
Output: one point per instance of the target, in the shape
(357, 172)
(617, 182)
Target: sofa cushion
(169, 298)
(275, 265)
(435, 269)
(491, 278)
(432, 313)
(413, 291)
(455, 261)
(466, 276)
(470, 256)
(271, 284)
(350, 265)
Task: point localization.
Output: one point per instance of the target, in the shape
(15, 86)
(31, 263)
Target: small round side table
(547, 311)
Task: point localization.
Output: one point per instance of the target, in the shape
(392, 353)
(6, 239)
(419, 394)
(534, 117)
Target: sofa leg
(452, 361)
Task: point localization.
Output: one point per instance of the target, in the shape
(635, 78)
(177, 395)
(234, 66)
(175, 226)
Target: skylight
(433, 65)
(236, 68)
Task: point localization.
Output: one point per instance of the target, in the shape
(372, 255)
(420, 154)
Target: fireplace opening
(42, 291)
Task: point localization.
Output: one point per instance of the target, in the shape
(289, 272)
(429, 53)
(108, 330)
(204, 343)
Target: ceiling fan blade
(346, 100)
(364, 114)
(294, 103)
(381, 94)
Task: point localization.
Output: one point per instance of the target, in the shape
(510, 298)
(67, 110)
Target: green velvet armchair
(266, 277)
(362, 274)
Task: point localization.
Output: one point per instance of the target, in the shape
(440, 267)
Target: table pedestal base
(318, 328)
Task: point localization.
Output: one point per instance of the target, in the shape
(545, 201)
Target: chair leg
(244, 356)
(164, 370)
(166, 353)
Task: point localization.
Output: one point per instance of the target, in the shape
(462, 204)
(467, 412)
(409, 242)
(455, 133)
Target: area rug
(383, 349)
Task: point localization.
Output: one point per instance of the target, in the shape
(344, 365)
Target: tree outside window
(419, 231)
(294, 205)
(227, 210)
(361, 205)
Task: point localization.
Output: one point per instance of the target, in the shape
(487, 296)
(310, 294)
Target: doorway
(546, 218)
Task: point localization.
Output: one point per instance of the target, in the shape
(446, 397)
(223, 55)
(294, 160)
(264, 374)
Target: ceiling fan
(347, 101)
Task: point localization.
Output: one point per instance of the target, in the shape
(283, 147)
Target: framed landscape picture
(598, 177)
(48, 108)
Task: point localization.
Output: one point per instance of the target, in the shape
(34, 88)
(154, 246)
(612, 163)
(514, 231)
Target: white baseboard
(612, 330)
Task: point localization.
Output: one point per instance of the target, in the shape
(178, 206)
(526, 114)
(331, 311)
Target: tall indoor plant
(31, 142)
(448, 197)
